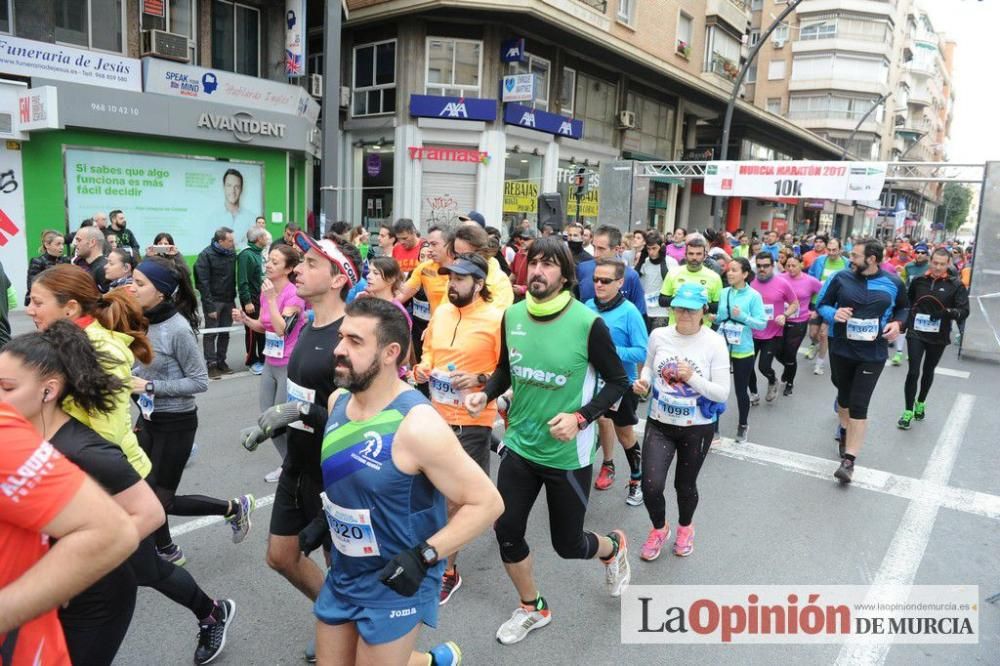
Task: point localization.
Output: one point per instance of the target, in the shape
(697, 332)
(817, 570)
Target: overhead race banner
(797, 179)
(520, 196)
(186, 197)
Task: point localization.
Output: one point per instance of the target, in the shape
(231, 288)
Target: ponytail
(119, 311)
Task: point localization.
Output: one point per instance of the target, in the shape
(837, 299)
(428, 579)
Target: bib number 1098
(787, 187)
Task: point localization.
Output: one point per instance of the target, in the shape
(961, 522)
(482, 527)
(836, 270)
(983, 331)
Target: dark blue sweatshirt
(876, 300)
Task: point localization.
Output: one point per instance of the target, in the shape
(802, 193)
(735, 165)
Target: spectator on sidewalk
(90, 255)
(249, 277)
(215, 278)
(119, 230)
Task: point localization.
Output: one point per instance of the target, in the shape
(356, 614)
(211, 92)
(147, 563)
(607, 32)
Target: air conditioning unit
(316, 85)
(626, 119)
(779, 43)
(165, 45)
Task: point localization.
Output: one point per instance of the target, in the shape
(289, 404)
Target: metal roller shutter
(445, 196)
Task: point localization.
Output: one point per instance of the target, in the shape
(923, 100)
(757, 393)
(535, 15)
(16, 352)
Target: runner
(628, 332)
(389, 465)
(693, 272)
(282, 316)
(818, 250)
(780, 303)
(461, 351)
(937, 299)
(406, 251)
(687, 367)
(822, 269)
(806, 288)
(426, 286)
(469, 238)
(553, 349)
(608, 244)
(864, 308)
(653, 266)
(95, 536)
(677, 247)
(907, 272)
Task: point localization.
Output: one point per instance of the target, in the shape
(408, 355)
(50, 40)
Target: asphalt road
(924, 509)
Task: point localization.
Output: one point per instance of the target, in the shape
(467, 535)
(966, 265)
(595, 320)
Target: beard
(540, 289)
(460, 300)
(345, 377)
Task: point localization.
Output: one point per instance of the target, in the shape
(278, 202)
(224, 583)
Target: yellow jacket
(499, 285)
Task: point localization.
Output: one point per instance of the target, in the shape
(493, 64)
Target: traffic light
(580, 181)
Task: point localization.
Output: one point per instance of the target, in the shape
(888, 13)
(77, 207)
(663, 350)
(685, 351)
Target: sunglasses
(921, 252)
(765, 265)
(604, 281)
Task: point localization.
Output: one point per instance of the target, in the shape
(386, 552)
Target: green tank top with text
(551, 374)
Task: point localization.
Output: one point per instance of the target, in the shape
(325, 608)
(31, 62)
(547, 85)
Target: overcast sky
(975, 134)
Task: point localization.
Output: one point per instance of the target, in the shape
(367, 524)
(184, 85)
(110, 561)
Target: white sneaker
(521, 623)
(617, 572)
(754, 399)
(272, 477)
(818, 369)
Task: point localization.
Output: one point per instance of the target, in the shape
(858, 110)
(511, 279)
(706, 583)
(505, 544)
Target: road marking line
(197, 524)
(906, 551)
(948, 372)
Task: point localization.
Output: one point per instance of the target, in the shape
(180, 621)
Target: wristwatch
(581, 421)
(428, 554)
(149, 387)
(482, 378)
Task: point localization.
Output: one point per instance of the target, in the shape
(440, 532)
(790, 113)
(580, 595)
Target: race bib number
(302, 395)
(274, 345)
(146, 405)
(442, 390)
(351, 529)
(768, 312)
(924, 324)
(732, 331)
(672, 409)
(653, 300)
(862, 330)
(600, 387)
(422, 310)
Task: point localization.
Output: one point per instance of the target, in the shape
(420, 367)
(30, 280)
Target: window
(819, 30)
(754, 37)
(540, 68)
(774, 105)
(179, 19)
(626, 11)
(752, 73)
(840, 66)
(595, 104)
(374, 79)
(780, 33)
(567, 92)
(454, 67)
(5, 16)
(235, 37)
(776, 70)
(95, 24)
(834, 106)
(685, 31)
(654, 125)
(722, 53)
(756, 5)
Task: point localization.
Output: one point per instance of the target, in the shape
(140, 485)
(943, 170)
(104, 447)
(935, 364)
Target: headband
(162, 277)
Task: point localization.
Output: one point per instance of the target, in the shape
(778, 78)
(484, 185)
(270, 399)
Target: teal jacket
(751, 318)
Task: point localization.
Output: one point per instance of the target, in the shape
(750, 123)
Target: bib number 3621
(351, 529)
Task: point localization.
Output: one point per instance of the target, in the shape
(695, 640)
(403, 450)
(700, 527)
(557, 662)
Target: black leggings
(855, 381)
(168, 579)
(791, 340)
(742, 378)
(931, 356)
(691, 444)
(766, 350)
(96, 620)
(566, 492)
(167, 441)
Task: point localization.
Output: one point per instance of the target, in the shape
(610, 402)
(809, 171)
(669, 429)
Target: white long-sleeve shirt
(706, 353)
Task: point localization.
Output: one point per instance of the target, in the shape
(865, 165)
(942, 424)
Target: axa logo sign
(566, 129)
(527, 119)
(454, 110)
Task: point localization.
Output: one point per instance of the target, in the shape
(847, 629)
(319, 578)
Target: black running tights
(929, 356)
(659, 445)
(743, 378)
(168, 579)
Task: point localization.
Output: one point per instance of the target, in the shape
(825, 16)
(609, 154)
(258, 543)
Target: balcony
(736, 13)
(873, 7)
(830, 119)
(920, 96)
(724, 67)
(844, 41)
(837, 82)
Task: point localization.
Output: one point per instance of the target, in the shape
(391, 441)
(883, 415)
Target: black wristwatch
(482, 378)
(428, 554)
(149, 387)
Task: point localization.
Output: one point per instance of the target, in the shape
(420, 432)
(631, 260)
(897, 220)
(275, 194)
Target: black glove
(314, 535)
(251, 438)
(405, 572)
(954, 313)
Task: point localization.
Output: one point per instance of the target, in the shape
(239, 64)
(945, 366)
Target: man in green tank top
(553, 350)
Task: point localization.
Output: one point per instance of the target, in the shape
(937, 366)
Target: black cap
(463, 267)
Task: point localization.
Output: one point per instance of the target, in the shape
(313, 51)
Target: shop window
(454, 67)
(595, 104)
(374, 79)
(567, 94)
(540, 67)
(235, 37)
(5, 13)
(179, 19)
(94, 24)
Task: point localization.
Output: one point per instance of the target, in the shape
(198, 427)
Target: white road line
(902, 559)
(197, 524)
(948, 372)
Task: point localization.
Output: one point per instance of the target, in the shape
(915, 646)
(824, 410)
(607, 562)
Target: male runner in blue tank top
(389, 463)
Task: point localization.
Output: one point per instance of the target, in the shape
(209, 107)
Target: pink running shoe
(654, 543)
(685, 541)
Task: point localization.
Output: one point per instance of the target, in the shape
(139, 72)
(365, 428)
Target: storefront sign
(814, 205)
(295, 46)
(163, 77)
(183, 196)
(520, 197)
(448, 154)
(589, 205)
(797, 179)
(38, 108)
(518, 88)
(453, 108)
(26, 57)
(373, 164)
(243, 125)
(543, 121)
(512, 50)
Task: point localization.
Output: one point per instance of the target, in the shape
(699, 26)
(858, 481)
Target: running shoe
(812, 350)
(772, 392)
(172, 554)
(634, 497)
(684, 545)
(309, 654)
(272, 477)
(257, 368)
(522, 621)
(654, 543)
(741, 433)
(191, 456)
(225, 369)
(905, 421)
(446, 654)
(212, 637)
(450, 582)
(239, 521)
(818, 369)
(788, 389)
(897, 358)
(606, 477)
(754, 399)
(845, 472)
(919, 411)
(617, 572)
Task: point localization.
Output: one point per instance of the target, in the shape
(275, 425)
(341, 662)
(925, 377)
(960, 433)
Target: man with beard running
(461, 350)
(390, 463)
(693, 271)
(553, 349)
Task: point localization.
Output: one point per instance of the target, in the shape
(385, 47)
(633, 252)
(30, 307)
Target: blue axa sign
(453, 108)
(542, 121)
